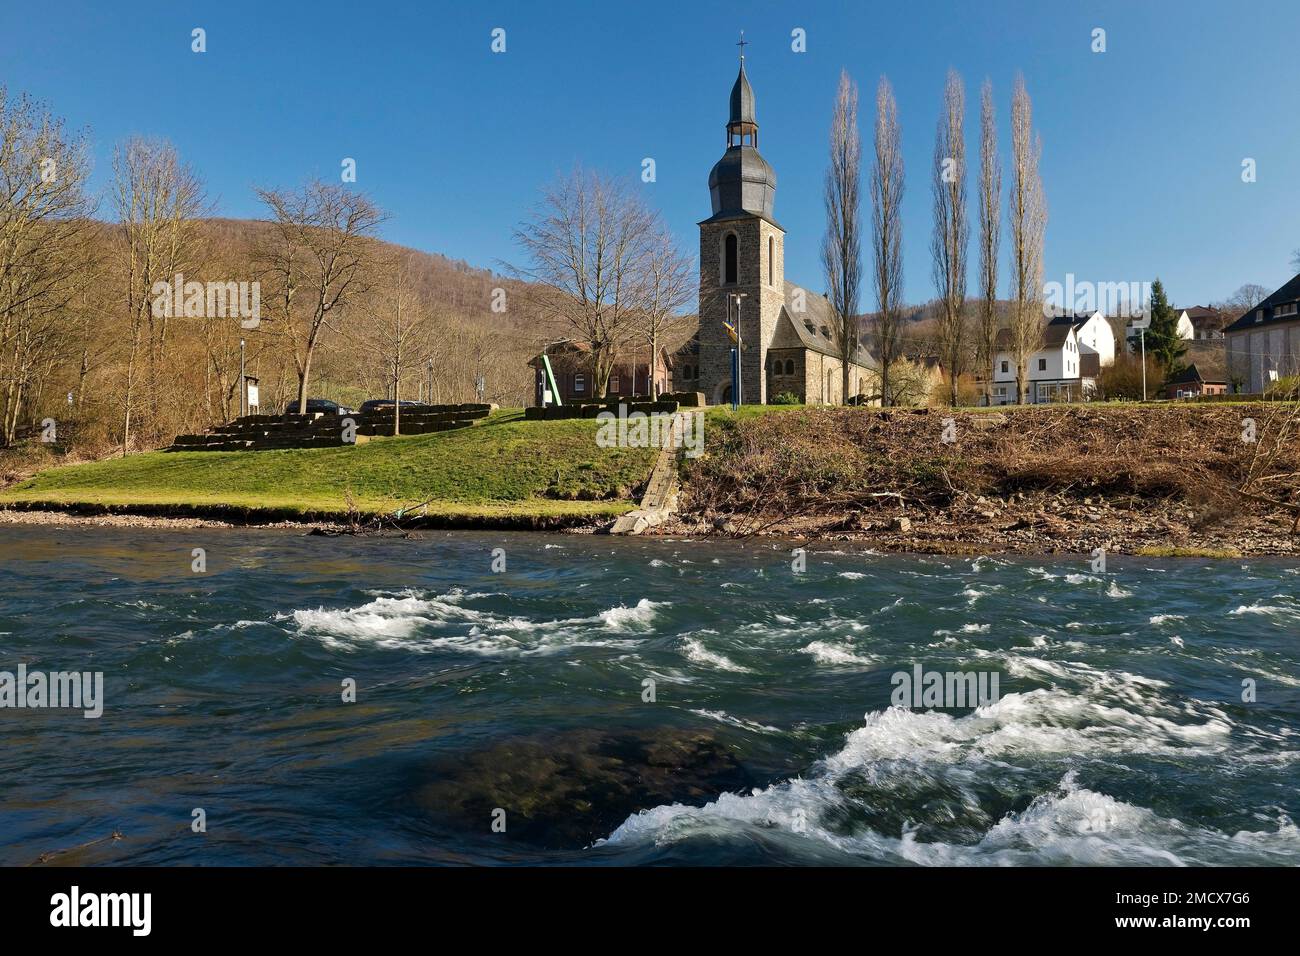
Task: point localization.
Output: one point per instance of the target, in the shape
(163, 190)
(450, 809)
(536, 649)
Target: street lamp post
(1142, 340)
(1140, 325)
(243, 383)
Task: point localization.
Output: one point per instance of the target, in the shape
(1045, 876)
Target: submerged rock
(566, 790)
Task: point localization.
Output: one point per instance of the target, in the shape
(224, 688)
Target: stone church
(786, 331)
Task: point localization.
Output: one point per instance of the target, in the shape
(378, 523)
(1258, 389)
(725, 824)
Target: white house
(1095, 337)
(1207, 322)
(1075, 349)
(1186, 327)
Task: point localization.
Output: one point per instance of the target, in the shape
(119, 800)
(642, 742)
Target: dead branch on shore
(1271, 474)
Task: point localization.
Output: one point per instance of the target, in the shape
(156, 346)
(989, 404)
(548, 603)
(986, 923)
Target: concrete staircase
(660, 498)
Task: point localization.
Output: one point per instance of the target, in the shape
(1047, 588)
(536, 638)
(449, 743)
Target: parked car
(322, 406)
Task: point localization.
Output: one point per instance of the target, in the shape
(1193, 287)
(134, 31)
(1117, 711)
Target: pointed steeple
(742, 182)
(741, 122)
(742, 103)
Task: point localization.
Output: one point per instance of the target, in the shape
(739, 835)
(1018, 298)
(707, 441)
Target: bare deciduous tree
(158, 199)
(396, 332)
(842, 244)
(1247, 297)
(46, 260)
(320, 257)
(1027, 214)
(990, 195)
(667, 287)
(588, 247)
(887, 234)
(948, 244)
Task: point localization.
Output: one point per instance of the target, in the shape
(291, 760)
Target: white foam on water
(1267, 610)
(836, 655)
(722, 717)
(973, 594)
(421, 624)
(699, 654)
(851, 575)
(1069, 825)
(638, 618)
(383, 617)
(1166, 618)
(964, 629)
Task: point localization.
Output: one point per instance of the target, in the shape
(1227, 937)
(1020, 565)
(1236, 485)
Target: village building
(1263, 345)
(786, 333)
(1075, 348)
(574, 368)
(1185, 327)
(1190, 383)
(1206, 323)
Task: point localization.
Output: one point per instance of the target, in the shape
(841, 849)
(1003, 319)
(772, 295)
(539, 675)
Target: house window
(730, 269)
(1042, 365)
(1006, 367)
(771, 260)
(579, 383)
(1288, 309)
(614, 382)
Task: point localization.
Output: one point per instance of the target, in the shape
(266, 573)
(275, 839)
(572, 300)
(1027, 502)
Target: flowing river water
(629, 701)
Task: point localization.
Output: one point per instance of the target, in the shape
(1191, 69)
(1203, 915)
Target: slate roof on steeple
(742, 99)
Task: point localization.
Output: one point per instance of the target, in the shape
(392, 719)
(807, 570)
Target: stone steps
(316, 430)
(592, 410)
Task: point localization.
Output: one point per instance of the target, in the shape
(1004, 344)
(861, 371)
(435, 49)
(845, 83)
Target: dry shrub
(817, 461)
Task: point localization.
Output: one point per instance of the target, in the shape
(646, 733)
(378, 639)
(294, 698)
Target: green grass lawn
(502, 467)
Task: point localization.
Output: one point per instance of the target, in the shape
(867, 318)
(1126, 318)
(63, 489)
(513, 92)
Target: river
(589, 700)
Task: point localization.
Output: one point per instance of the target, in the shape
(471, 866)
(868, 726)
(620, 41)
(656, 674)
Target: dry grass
(820, 461)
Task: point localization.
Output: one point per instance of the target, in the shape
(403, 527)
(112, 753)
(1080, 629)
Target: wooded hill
(72, 363)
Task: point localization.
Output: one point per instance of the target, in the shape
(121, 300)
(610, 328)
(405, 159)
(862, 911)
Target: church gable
(813, 328)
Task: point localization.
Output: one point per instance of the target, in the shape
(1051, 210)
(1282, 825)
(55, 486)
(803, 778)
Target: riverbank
(1160, 480)
(1156, 480)
(502, 473)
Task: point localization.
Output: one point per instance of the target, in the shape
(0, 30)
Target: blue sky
(1142, 144)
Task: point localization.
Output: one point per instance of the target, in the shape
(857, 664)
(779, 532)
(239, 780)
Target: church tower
(741, 251)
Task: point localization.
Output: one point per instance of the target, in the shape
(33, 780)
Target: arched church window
(789, 366)
(730, 268)
(771, 260)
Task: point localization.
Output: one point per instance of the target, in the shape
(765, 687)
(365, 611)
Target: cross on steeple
(742, 44)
